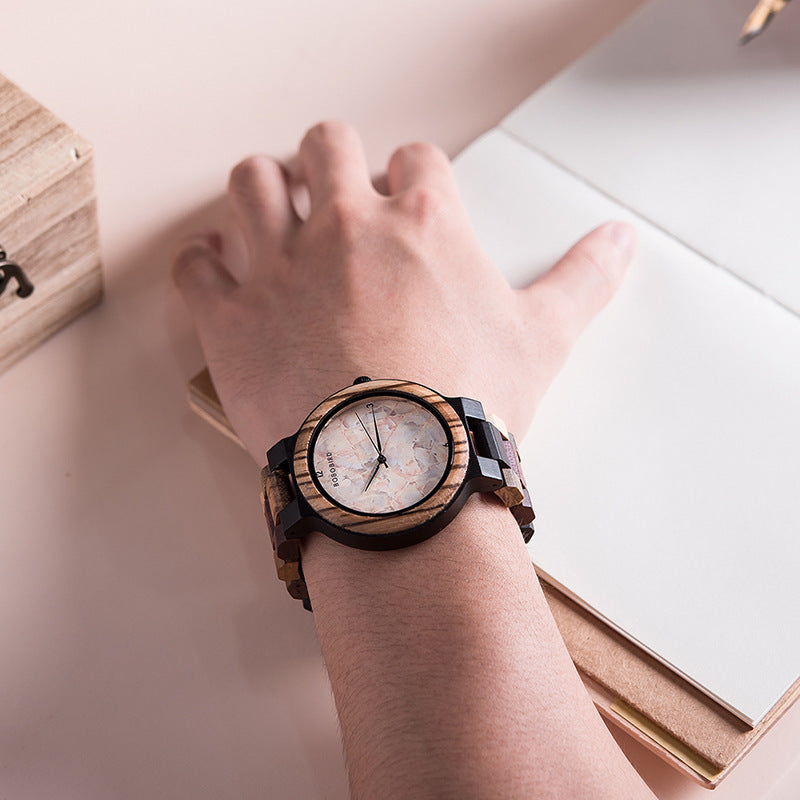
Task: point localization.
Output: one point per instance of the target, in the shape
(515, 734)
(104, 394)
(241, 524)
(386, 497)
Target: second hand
(378, 446)
(367, 432)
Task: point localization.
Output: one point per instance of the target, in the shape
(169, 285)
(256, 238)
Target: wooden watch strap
(514, 492)
(276, 494)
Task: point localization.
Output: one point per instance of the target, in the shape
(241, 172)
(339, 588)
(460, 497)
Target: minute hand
(367, 432)
(377, 435)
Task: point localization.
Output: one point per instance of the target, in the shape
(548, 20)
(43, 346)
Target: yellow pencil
(760, 17)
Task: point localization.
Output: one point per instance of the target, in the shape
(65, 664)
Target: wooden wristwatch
(385, 464)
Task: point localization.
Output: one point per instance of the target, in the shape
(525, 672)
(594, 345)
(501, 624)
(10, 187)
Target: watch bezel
(411, 522)
(366, 395)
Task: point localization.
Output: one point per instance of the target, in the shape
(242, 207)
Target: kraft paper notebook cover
(663, 460)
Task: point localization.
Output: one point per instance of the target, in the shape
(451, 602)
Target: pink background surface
(146, 648)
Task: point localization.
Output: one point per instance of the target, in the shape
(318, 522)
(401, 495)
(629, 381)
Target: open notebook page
(663, 461)
(673, 118)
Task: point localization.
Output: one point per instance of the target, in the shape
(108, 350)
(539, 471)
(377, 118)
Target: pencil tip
(749, 36)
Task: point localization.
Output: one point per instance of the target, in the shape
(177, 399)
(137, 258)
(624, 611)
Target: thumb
(584, 280)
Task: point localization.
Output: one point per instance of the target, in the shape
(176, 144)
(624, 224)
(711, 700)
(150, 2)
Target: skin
(449, 675)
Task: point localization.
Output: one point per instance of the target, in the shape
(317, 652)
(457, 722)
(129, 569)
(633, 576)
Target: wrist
(410, 636)
(482, 543)
(335, 477)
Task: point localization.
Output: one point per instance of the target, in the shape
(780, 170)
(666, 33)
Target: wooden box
(50, 270)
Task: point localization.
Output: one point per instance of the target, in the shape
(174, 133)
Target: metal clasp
(8, 270)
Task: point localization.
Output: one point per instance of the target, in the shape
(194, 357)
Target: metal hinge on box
(48, 225)
(10, 269)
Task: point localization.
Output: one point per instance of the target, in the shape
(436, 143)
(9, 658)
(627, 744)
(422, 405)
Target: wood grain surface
(48, 222)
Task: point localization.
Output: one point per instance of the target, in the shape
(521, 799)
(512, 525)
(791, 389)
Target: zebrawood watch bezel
(382, 524)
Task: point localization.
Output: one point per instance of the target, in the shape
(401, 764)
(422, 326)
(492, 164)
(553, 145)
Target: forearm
(449, 674)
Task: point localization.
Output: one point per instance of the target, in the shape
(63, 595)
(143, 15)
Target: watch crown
(362, 379)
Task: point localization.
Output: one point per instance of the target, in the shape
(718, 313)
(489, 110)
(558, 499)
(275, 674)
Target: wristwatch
(384, 464)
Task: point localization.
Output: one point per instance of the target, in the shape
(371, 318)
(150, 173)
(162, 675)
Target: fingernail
(208, 239)
(197, 245)
(624, 237)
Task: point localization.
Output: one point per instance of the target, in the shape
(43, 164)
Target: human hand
(389, 286)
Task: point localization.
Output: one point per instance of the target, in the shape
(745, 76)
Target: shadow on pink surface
(173, 656)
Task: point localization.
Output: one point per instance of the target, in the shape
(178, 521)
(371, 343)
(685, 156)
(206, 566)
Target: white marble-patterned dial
(381, 454)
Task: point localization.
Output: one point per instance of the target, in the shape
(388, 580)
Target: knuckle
(420, 150)
(345, 217)
(596, 265)
(251, 175)
(186, 265)
(423, 204)
(328, 131)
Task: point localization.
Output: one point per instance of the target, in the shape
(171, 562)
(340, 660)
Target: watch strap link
(493, 440)
(276, 494)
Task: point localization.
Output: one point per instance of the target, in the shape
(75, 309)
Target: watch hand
(374, 473)
(377, 435)
(367, 432)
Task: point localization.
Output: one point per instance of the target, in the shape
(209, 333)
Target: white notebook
(664, 461)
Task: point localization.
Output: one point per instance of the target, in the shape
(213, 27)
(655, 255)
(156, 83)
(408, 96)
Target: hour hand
(374, 473)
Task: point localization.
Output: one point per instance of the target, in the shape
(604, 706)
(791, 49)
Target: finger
(260, 199)
(333, 162)
(235, 250)
(199, 274)
(584, 280)
(380, 183)
(419, 164)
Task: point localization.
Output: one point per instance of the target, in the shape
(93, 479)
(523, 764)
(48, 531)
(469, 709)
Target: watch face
(381, 454)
